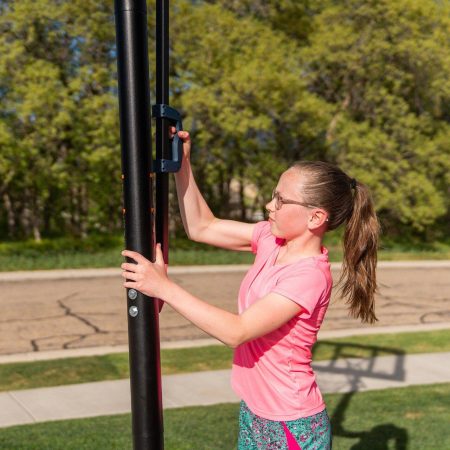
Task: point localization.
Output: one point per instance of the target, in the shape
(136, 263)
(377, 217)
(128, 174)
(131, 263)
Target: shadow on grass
(354, 366)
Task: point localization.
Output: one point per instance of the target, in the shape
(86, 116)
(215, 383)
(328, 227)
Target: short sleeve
(306, 287)
(261, 231)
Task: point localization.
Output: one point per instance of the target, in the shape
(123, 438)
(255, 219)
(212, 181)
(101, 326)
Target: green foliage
(362, 83)
(58, 125)
(293, 17)
(384, 66)
(249, 110)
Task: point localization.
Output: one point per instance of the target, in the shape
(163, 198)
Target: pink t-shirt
(273, 373)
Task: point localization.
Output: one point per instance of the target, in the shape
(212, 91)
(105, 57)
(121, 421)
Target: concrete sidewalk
(67, 274)
(206, 388)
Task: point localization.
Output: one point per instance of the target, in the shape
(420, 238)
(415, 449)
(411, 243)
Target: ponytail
(358, 279)
(347, 202)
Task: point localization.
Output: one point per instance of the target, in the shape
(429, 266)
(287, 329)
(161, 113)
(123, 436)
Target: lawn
(413, 418)
(104, 251)
(115, 366)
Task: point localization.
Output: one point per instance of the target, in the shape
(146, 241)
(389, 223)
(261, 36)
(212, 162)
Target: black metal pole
(135, 136)
(162, 125)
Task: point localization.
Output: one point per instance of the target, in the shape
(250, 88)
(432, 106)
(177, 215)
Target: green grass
(74, 254)
(382, 345)
(413, 418)
(393, 255)
(115, 366)
(112, 258)
(104, 251)
(29, 375)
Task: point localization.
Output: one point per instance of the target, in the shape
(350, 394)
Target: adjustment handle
(162, 111)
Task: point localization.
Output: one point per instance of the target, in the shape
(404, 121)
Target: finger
(130, 276)
(130, 284)
(130, 267)
(134, 255)
(184, 136)
(159, 257)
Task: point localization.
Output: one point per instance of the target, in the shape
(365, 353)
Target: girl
(282, 299)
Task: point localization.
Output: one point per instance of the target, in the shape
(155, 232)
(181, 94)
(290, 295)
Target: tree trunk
(75, 211)
(11, 220)
(36, 232)
(84, 210)
(36, 217)
(241, 193)
(25, 215)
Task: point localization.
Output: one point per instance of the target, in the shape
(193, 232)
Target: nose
(270, 207)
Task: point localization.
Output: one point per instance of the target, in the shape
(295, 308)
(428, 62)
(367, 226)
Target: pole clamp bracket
(162, 111)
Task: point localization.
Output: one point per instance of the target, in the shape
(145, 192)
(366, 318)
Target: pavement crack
(23, 406)
(73, 338)
(433, 315)
(34, 345)
(37, 319)
(394, 303)
(79, 339)
(68, 312)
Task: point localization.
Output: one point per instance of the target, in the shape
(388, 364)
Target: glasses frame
(280, 201)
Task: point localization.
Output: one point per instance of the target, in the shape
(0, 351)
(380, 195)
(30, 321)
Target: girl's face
(290, 220)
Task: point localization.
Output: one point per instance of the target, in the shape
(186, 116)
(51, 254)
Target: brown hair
(347, 201)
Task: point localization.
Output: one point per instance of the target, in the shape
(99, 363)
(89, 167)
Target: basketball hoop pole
(136, 145)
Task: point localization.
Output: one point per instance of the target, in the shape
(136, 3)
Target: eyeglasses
(279, 201)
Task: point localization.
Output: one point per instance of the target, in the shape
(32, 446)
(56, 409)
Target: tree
(59, 128)
(292, 17)
(362, 83)
(250, 111)
(384, 66)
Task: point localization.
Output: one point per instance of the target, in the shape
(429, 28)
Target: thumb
(159, 258)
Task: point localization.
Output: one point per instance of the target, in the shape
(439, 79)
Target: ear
(317, 218)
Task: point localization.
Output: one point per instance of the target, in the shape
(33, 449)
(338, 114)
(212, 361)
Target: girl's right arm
(199, 222)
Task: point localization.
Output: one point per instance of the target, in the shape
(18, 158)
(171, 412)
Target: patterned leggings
(308, 433)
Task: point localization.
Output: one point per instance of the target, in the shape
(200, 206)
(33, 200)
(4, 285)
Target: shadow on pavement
(354, 369)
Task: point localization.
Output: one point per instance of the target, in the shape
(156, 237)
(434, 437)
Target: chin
(275, 231)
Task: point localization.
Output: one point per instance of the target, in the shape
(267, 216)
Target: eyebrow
(278, 193)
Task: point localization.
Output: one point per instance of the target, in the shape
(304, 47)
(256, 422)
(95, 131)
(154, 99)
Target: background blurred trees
(384, 66)
(361, 83)
(58, 122)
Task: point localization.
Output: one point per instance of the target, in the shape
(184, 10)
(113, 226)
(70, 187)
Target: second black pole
(162, 125)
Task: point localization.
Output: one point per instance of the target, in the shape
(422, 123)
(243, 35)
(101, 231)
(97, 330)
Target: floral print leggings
(308, 433)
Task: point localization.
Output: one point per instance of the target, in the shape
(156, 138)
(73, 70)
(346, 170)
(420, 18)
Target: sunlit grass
(72, 254)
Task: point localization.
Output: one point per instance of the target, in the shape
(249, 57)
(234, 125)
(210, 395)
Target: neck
(300, 247)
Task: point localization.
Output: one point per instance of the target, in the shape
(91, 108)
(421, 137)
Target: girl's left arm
(264, 316)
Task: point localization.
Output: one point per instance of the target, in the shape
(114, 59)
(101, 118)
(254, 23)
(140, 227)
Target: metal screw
(133, 311)
(132, 294)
